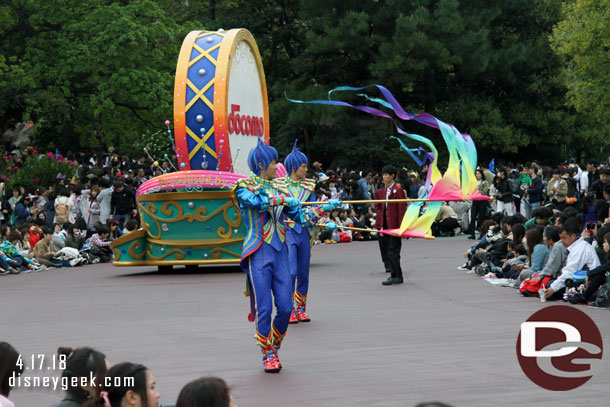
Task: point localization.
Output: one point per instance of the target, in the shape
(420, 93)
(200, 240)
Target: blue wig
(263, 154)
(295, 159)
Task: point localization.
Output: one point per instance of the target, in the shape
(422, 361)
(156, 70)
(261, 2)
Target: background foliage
(95, 73)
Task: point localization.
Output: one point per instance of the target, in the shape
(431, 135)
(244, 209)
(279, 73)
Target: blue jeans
(529, 207)
(121, 219)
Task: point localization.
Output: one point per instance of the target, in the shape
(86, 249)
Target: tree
(583, 39)
(96, 72)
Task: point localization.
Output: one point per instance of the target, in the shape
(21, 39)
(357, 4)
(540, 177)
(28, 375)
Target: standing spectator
(504, 195)
(92, 208)
(389, 216)
(105, 198)
(22, 210)
(364, 186)
(122, 203)
(534, 192)
(557, 190)
(597, 188)
(588, 177)
(416, 189)
(15, 198)
(64, 207)
(478, 212)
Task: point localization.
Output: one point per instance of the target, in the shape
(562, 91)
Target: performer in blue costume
(264, 255)
(298, 237)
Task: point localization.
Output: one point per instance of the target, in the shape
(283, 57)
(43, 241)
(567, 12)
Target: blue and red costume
(298, 239)
(264, 259)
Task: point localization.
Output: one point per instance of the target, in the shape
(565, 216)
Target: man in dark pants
(389, 216)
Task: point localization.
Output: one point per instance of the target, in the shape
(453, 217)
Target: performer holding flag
(298, 237)
(264, 256)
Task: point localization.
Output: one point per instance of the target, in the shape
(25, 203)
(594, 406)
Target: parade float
(220, 109)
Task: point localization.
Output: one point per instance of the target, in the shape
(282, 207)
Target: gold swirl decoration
(174, 211)
(116, 254)
(179, 254)
(135, 245)
(217, 253)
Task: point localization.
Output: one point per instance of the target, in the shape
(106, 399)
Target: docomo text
(64, 383)
(244, 124)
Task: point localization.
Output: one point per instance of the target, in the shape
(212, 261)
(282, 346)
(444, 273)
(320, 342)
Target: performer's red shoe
(303, 317)
(294, 319)
(271, 362)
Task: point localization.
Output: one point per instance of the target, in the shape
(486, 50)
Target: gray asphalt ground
(443, 335)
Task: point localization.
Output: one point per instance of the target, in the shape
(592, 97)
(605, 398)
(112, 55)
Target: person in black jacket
(534, 193)
(504, 194)
(122, 203)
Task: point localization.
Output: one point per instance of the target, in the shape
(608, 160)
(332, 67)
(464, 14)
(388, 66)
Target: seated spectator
(8, 368)
(99, 245)
(446, 222)
(75, 238)
(130, 225)
(205, 392)
(580, 255)
(44, 251)
(557, 258)
(595, 277)
(59, 236)
(540, 216)
(118, 394)
(597, 187)
(113, 229)
(81, 364)
(36, 231)
(537, 255)
(587, 209)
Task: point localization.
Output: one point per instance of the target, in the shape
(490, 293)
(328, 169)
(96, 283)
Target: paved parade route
(443, 335)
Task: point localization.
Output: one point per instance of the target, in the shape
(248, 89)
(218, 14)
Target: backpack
(603, 295)
(62, 211)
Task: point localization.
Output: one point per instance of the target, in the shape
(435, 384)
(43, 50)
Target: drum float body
(220, 109)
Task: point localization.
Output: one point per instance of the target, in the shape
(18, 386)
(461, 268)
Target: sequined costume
(264, 259)
(298, 239)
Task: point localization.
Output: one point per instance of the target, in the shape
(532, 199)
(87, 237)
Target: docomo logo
(559, 348)
(246, 125)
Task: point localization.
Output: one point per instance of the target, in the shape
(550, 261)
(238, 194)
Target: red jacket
(394, 212)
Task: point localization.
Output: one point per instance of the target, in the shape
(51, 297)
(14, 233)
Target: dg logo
(559, 348)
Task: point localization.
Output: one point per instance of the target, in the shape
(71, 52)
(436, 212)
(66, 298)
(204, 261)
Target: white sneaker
(471, 272)
(74, 262)
(464, 267)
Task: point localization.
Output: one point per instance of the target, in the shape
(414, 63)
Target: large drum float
(220, 109)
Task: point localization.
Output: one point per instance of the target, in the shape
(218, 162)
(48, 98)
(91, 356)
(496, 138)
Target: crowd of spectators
(89, 380)
(546, 232)
(72, 222)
